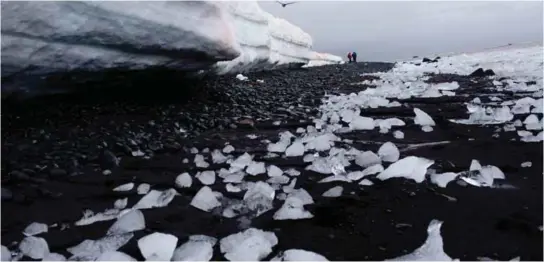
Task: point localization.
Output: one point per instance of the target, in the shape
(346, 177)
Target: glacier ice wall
(226, 36)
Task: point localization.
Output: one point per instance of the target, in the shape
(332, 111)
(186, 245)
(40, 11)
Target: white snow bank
(41, 37)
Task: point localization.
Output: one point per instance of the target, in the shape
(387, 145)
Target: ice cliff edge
(46, 37)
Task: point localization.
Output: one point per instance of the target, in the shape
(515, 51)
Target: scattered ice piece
(276, 123)
(293, 208)
(184, 180)
(373, 169)
(367, 158)
(200, 162)
(282, 144)
(422, 118)
(198, 248)
(334, 192)
(398, 134)
(252, 244)
(526, 164)
(34, 247)
(185, 161)
(292, 172)
(259, 197)
(35, 228)
(232, 188)
(270, 155)
(252, 136)
(236, 178)
(309, 157)
(282, 179)
(138, 153)
(298, 255)
(158, 246)
(228, 149)
(206, 150)
(131, 221)
(356, 175)
(124, 187)
(388, 152)
(90, 217)
(92, 249)
(531, 119)
(289, 188)
(300, 130)
(274, 171)
(366, 182)
(475, 165)
(106, 172)
(218, 157)
(241, 162)
(518, 123)
(206, 177)
(194, 150)
(442, 180)
(410, 167)
(54, 257)
(361, 123)
(431, 250)
(296, 149)
(120, 203)
(530, 138)
(114, 256)
(143, 189)
(5, 254)
(205, 199)
(241, 77)
(303, 195)
(493, 172)
(334, 178)
(156, 198)
(427, 129)
(256, 168)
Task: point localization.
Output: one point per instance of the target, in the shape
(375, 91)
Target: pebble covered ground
(64, 154)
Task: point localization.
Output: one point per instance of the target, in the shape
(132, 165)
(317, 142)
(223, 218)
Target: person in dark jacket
(349, 57)
(354, 57)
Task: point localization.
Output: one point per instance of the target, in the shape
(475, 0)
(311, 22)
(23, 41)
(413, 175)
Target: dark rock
(480, 72)
(58, 172)
(529, 83)
(426, 60)
(489, 72)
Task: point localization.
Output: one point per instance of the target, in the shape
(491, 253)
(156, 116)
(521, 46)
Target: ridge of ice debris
(35, 228)
(298, 255)
(206, 199)
(156, 198)
(158, 246)
(431, 250)
(92, 249)
(251, 244)
(410, 167)
(198, 248)
(34, 247)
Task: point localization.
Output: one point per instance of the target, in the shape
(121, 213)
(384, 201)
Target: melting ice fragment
(218, 157)
(90, 217)
(124, 187)
(410, 167)
(293, 208)
(184, 180)
(282, 144)
(361, 123)
(298, 255)
(256, 168)
(259, 197)
(296, 149)
(250, 245)
(92, 249)
(334, 192)
(431, 250)
(5, 254)
(55, 257)
(241, 162)
(206, 177)
(206, 200)
(143, 189)
(278, 180)
(157, 246)
(388, 152)
(35, 229)
(292, 172)
(198, 248)
(156, 198)
(34, 247)
(422, 118)
(442, 180)
(200, 162)
(129, 222)
(274, 171)
(398, 134)
(366, 182)
(526, 164)
(228, 149)
(114, 256)
(367, 158)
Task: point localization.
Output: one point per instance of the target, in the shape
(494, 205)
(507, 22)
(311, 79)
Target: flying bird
(285, 4)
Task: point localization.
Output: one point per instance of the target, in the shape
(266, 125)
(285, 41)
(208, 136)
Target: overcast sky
(387, 31)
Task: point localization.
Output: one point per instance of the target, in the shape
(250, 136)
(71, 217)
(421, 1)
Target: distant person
(349, 57)
(354, 57)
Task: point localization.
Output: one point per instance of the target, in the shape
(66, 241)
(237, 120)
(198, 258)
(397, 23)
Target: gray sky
(387, 31)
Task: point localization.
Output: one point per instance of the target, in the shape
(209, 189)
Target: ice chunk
(366, 159)
(184, 180)
(292, 172)
(90, 217)
(129, 222)
(218, 157)
(278, 180)
(200, 162)
(530, 138)
(289, 188)
(388, 152)
(492, 171)
(366, 182)
(293, 208)
(531, 119)
(241, 162)
(422, 118)
(274, 171)
(55, 257)
(303, 195)
(361, 123)
(256, 168)
(34, 247)
(205, 199)
(526, 164)
(410, 167)
(35, 229)
(334, 192)
(198, 248)
(115, 256)
(194, 150)
(431, 250)
(252, 244)
(300, 130)
(236, 178)
(206, 177)
(309, 157)
(241, 77)
(322, 142)
(156, 198)
(356, 175)
(298, 255)
(259, 197)
(442, 180)
(296, 149)
(228, 149)
(427, 129)
(143, 189)
(398, 134)
(5, 254)
(232, 188)
(282, 144)
(124, 187)
(475, 165)
(92, 249)
(334, 178)
(373, 169)
(158, 246)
